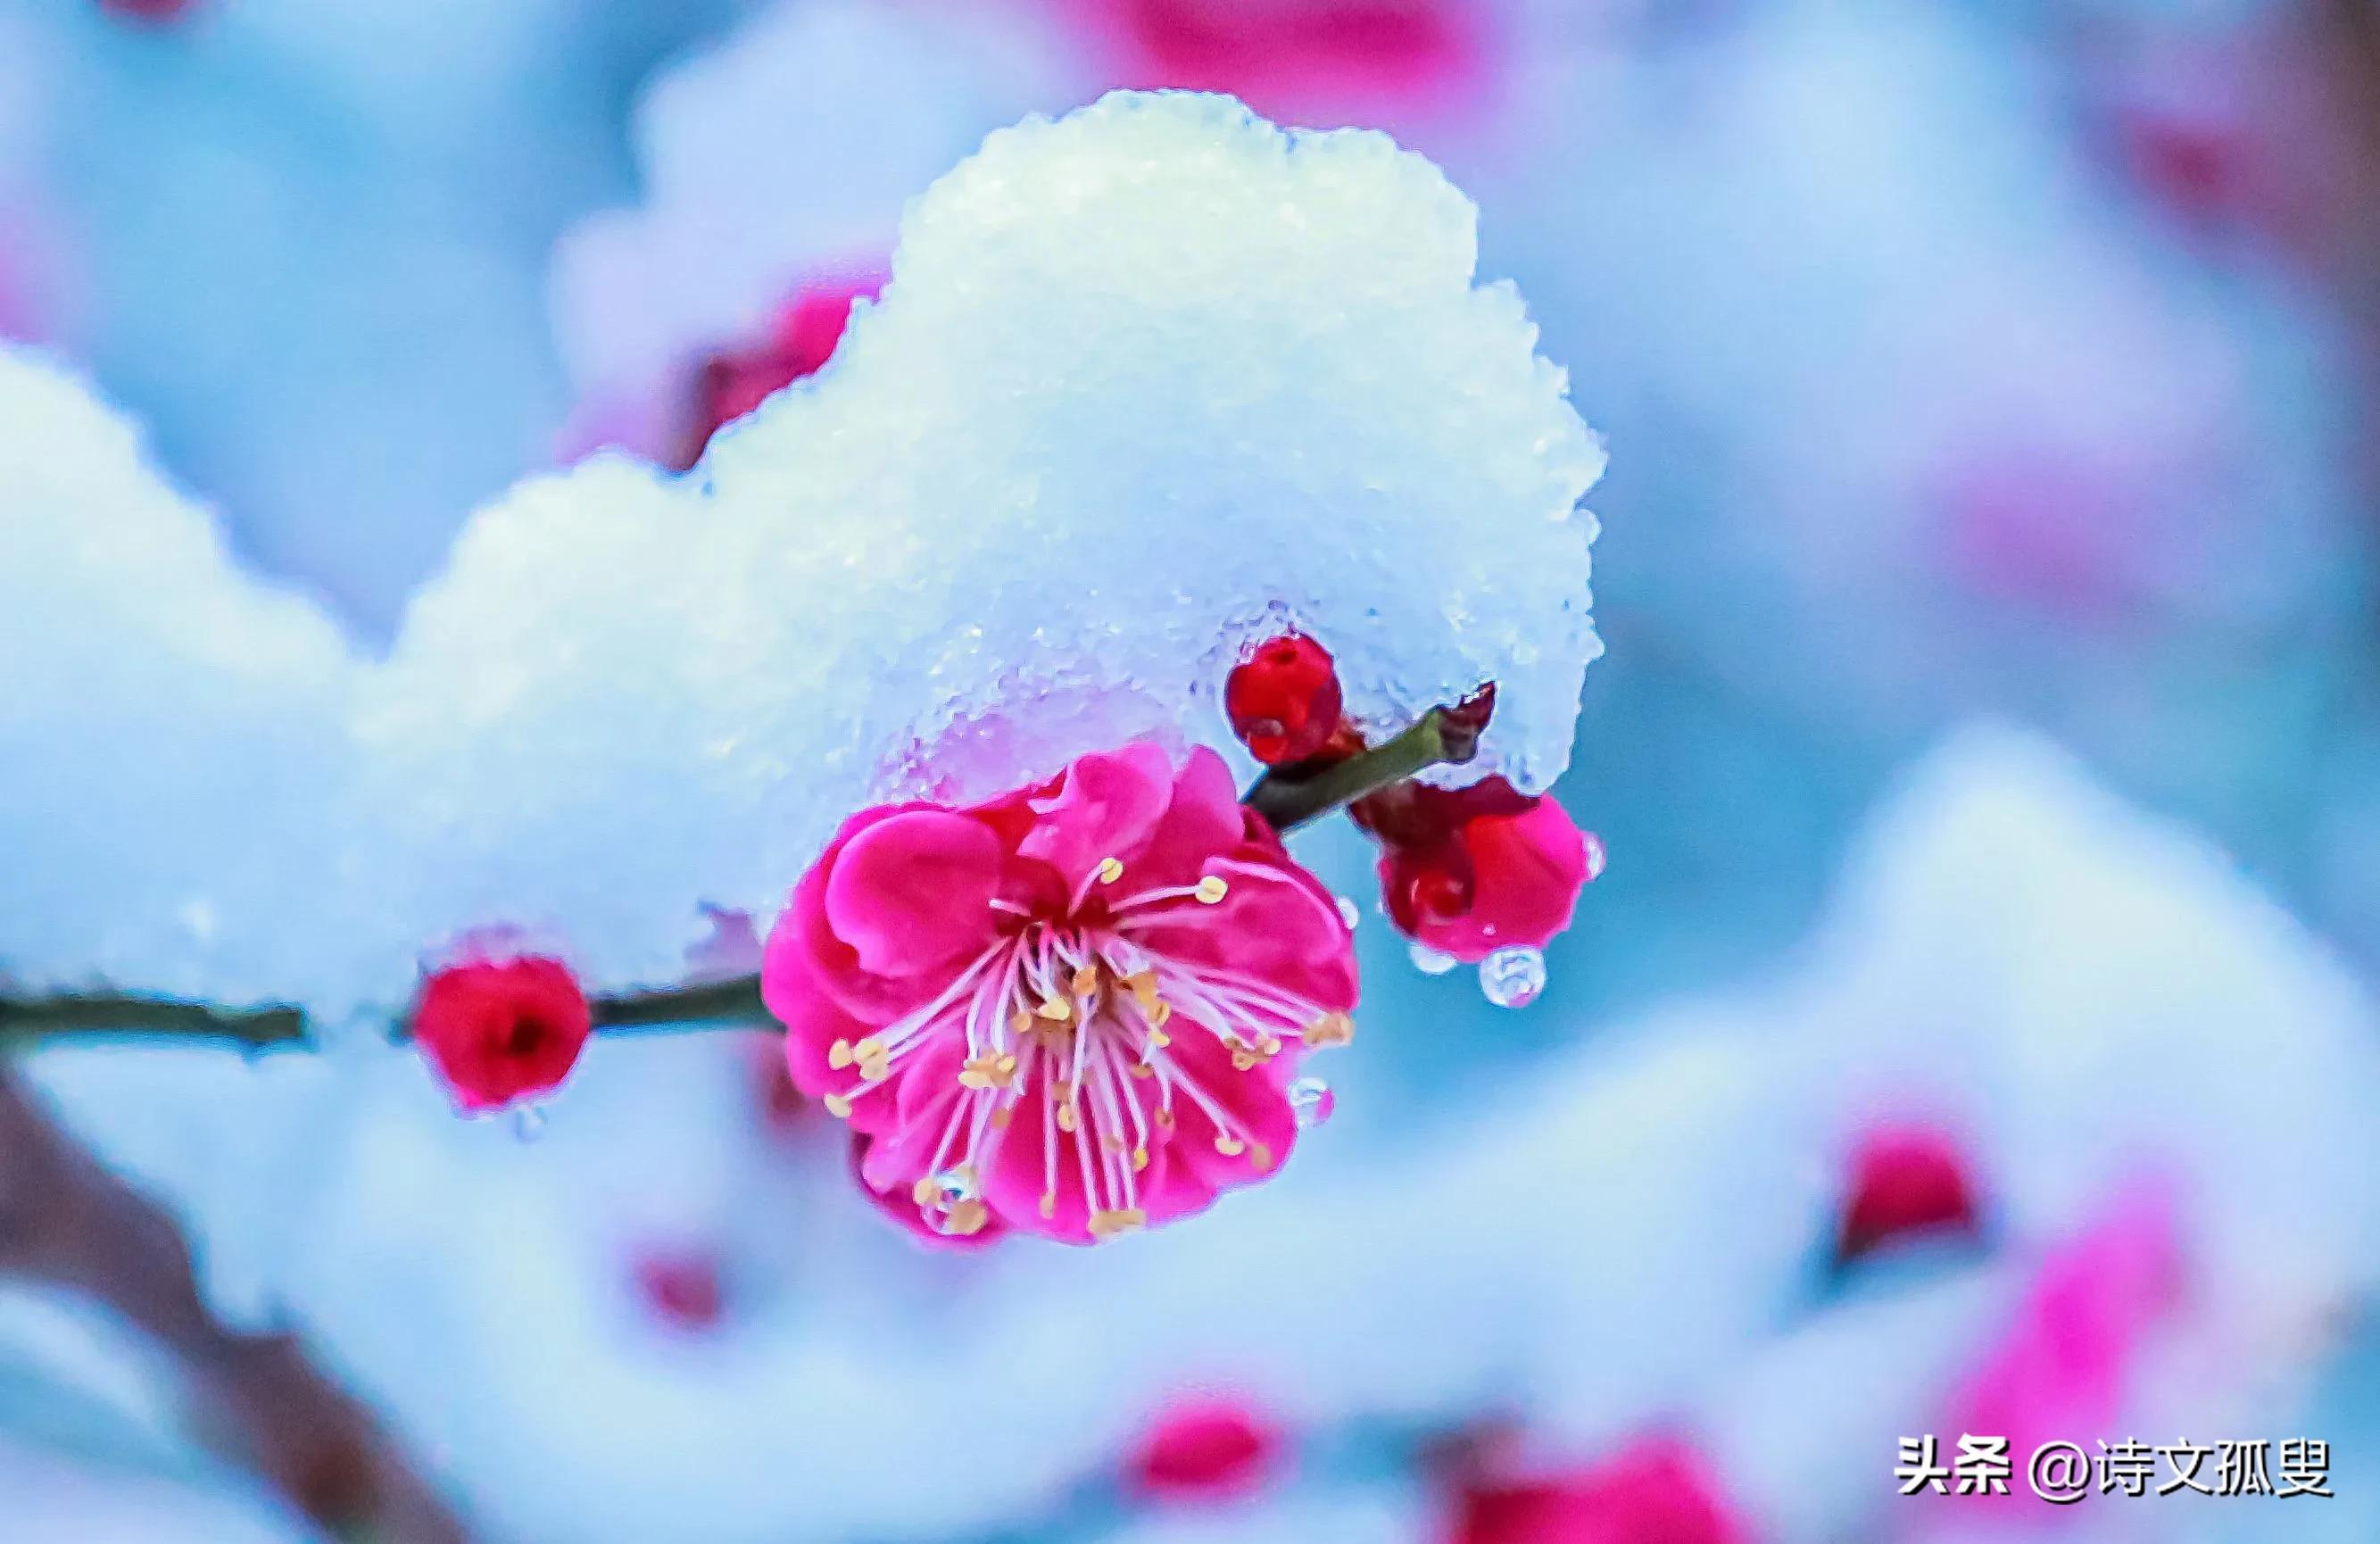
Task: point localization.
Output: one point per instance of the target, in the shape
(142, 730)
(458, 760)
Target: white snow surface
(1147, 383)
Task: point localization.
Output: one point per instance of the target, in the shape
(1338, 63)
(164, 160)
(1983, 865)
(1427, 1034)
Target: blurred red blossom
(800, 342)
(1206, 1449)
(1904, 1180)
(1658, 1491)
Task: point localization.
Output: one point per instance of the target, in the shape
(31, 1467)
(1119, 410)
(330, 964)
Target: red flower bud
(1283, 699)
(502, 1030)
(1468, 871)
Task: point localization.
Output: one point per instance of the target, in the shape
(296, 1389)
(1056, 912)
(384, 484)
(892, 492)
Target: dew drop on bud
(1348, 914)
(1430, 962)
(1595, 856)
(1513, 978)
(1311, 1100)
(528, 1122)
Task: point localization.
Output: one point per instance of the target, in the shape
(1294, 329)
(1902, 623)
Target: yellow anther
(926, 1192)
(838, 1055)
(1121, 1219)
(1330, 1029)
(1143, 986)
(868, 1050)
(1260, 1158)
(1268, 1047)
(1164, 1119)
(1212, 888)
(1142, 1069)
(1139, 1159)
(967, 1217)
(1065, 1117)
(1110, 869)
(1057, 1009)
(1048, 1205)
(990, 1070)
(1020, 1021)
(1242, 1061)
(837, 1106)
(1086, 979)
(1230, 1146)
(1158, 1038)
(1158, 1015)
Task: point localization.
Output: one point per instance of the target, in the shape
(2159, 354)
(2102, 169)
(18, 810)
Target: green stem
(731, 1005)
(1290, 800)
(36, 1019)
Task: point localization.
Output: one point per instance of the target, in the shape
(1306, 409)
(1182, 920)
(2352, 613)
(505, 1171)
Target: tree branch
(24, 1022)
(259, 1400)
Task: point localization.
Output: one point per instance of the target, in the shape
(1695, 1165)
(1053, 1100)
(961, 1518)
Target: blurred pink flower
(1072, 1010)
(1658, 1491)
(147, 10)
(1209, 1449)
(1904, 1180)
(807, 331)
(1299, 60)
(2064, 1368)
(1468, 871)
(682, 1289)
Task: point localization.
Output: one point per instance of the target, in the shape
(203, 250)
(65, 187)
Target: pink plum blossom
(1072, 1010)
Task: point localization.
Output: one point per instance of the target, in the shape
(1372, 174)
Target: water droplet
(1429, 962)
(1348, 914)
(528, 1122)
(1311, 1100)
(955, 1185)
(1513, 978)
(1595, 856)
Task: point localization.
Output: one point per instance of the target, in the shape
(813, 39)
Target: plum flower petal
(1072, 1010)
(911, 892)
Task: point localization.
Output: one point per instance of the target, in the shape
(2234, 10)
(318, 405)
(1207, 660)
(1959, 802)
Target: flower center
(1079, 1014)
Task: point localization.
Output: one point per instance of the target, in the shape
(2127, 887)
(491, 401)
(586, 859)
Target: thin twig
(259, 1400)
(733, 1004)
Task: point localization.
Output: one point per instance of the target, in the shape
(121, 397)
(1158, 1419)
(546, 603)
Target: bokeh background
(1972, 1031)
